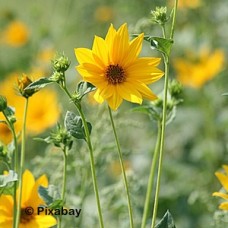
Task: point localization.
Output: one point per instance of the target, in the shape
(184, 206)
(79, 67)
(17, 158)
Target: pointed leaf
(74, 125)
(9, 178)
(40, 83)
(50, 196)
(83, 88)
(166, 222)
(160, 44)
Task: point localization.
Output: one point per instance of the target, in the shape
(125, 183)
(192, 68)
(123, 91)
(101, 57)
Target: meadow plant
(112, 72)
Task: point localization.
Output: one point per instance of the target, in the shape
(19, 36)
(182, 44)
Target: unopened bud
(3, 103)
(61, 63)
(159, 15)
(22, 83)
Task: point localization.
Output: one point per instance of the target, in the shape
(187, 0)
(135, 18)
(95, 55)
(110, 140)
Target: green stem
(22, 160)
(15, 166)
(174, 19)
(163, 31)
(163, 127)
(122, 169)
(151, 177)
(65, 153)
(92, 163)
(161, 144)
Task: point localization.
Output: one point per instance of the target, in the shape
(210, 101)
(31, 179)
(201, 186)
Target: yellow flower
(189, 4)
(43, 110)
(30, 198)
(113, 66)
(15, 34)
(104, 13)
(223, 178)
(197, 70)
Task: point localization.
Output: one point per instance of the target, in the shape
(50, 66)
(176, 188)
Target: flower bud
(175, 89)
(22, 83)
(61, 63)
(159, 15)
(3, 103)
(57, 76)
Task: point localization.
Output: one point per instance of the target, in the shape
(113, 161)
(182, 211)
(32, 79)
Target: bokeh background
(31, 32)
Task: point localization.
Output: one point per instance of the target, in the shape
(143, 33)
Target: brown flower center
(115, 74)
(26, 217)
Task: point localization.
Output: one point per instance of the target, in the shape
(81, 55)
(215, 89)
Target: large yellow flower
(223, 178)
(113, 66)
(30, 198)
(196, 70)
(43, 110)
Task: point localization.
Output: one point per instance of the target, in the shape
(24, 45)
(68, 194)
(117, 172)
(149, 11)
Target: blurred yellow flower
(223, 178)
(115, 168)
(195, 71)
(30, 198)
(45, 55)
(113, 66)
(15, 34)
(43, 111)
(189, 3)
(104, 13)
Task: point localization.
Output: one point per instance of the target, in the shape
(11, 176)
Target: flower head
(198, 69)
(113, 66)
(22, 83)
(30, 198)
(16, 34)
(223, 178)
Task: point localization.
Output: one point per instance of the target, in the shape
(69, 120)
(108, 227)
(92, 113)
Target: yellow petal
(223, 179)
(27, 186)
(225, 167)
(83, 55)
(220, 194)
(35, 200)
(115, 100)
(42, 221)
(6, 206)
(129, 93)
(133, 51)
(101, 51)
(144, 90)
(224, 206)
(98, 97)
(109, 39)
(120, 45)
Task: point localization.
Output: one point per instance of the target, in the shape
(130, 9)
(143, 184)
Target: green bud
(159, 15)
(61, 63)
(175, 89)
(57, 76)
(3, 103)
(61, 138)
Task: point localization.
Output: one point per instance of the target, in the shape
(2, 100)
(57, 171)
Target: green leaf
(51, 196)
(225, 94)
(39, 84)
(9, 178)
(166, 222)
(74, 125)
(160, 44)
(83, 88)
(151, 111)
